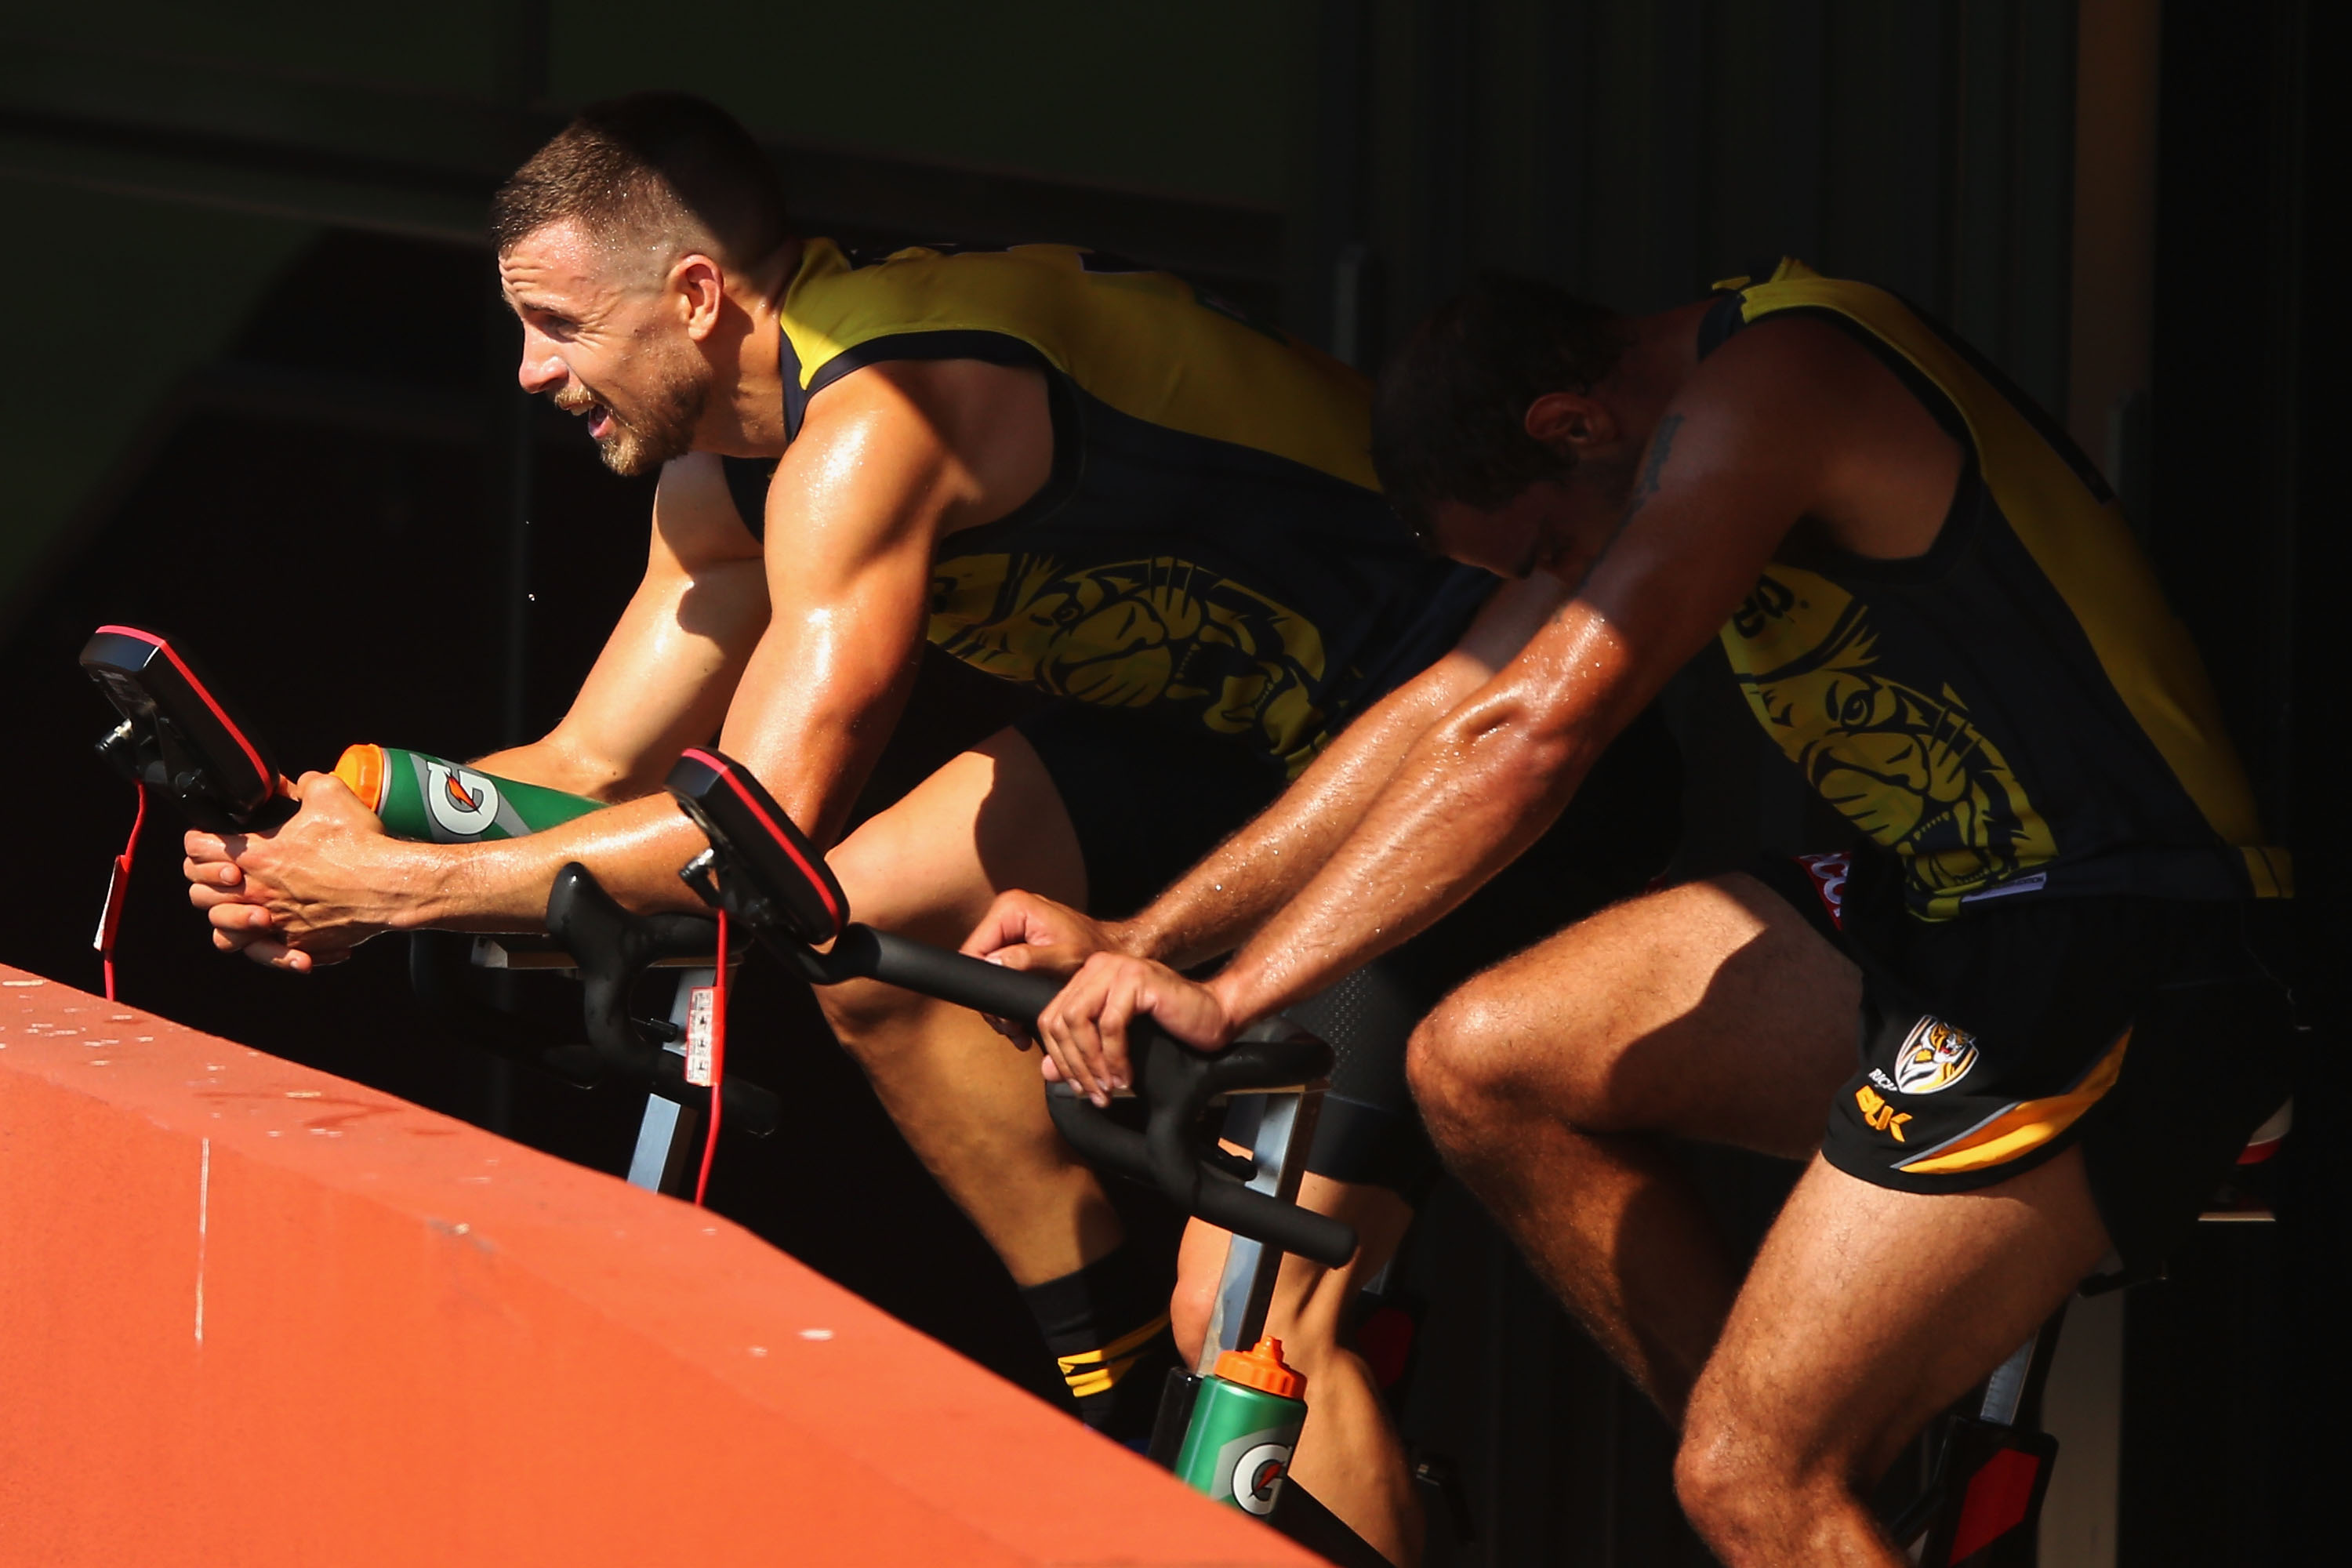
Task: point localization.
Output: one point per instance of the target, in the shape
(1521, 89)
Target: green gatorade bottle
(435, 801)
(1238, 1449)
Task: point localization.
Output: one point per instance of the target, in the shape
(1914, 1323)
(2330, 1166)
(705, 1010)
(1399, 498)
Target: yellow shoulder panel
(1148, 344)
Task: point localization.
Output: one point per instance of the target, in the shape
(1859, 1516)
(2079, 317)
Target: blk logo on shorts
(1935, 1056)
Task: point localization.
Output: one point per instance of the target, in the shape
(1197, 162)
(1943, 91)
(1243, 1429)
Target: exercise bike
(764, 874)
(178, 737)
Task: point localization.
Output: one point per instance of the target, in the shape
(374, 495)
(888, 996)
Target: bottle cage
(177, 736)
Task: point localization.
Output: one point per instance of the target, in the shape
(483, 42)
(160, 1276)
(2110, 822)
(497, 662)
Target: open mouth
(578, 403)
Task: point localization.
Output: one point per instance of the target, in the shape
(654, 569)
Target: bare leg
(971, 1105)
(1708, 1011)
(1349, 1454)
(1867, 1312)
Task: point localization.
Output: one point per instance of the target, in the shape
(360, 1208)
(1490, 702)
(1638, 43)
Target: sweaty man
(1061, 467)
(2038, 1010)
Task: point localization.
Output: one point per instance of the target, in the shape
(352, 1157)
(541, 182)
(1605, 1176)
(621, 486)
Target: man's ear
(701, 289)
(1571, 421)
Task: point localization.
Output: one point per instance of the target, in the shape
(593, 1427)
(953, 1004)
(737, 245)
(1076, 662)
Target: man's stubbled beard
(642, 440)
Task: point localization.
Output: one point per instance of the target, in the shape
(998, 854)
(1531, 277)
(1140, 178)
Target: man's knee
(1459, 1064)
(1715, 1469)
(863, 1013)
(1742, 1481)
(1189, 1310)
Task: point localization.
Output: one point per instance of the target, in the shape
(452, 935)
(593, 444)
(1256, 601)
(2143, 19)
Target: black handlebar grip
(1178, 1083)
(1262, 1216)
(866, 953)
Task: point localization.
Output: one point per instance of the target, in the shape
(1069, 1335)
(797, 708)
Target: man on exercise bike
(1061, 467)
(2052, 954)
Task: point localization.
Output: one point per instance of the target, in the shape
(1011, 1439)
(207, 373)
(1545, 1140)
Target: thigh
(1869, 1310)
(989, 819)
(1711, 1010)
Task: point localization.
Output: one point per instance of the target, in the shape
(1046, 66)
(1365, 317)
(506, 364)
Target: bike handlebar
(771, 877)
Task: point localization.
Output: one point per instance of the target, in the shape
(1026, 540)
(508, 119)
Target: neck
(748, 421)
(1662, 357)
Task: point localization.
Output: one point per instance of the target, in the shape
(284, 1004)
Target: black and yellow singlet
(2017, 711)
(1213, 543)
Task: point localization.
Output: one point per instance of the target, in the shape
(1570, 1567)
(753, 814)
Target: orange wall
(252, 1314)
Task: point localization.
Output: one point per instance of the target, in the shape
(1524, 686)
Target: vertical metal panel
(1679, 110)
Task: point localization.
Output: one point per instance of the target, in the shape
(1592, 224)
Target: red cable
(118, 889)
(718, 1061)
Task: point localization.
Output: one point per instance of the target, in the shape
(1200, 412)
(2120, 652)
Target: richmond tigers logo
(1134, 634)
(1935, 1056)
(1907, 766)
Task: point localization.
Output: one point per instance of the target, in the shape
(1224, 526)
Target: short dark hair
(649, 163)
(1449, 416)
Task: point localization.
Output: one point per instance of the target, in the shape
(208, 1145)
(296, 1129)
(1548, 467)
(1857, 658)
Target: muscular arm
(854, 511)
(1246, 879)
(875, 476)
(1781, 426)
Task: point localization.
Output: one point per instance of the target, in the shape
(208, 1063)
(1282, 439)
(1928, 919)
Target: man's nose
(542, 369)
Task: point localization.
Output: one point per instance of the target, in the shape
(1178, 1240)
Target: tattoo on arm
(1660, 445)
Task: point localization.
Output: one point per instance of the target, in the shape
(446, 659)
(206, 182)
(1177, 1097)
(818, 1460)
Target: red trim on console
(251, 755)
(726, 772)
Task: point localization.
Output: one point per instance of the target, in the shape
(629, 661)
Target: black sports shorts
(1147, 800)
(2156, 1034)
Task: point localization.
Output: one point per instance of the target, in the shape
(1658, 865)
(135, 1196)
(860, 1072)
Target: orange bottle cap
(361, 770)
(1262, 1368)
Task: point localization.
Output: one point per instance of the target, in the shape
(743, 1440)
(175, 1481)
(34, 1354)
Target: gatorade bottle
(1238, 1449)
(433, 801)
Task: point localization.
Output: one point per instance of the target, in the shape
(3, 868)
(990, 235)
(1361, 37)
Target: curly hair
(1448, 418)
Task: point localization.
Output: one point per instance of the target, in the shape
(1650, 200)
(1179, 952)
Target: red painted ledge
(254, 1314)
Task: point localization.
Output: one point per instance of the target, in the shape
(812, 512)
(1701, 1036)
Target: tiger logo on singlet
(1908, 767)
(1134, 634)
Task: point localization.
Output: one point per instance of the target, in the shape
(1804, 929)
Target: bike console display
(177, 735)
(790, 887)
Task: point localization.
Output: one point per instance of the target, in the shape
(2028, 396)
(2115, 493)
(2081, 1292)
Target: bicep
(854, 512)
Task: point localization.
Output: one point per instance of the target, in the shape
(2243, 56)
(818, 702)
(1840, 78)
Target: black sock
(1107, 1326)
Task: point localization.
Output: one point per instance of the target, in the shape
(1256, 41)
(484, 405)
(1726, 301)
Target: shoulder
(1803, 382)
(1789, 355)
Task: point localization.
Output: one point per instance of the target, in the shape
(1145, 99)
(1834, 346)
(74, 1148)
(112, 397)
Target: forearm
(634, 851)
(1218, 903)
(1459, 809)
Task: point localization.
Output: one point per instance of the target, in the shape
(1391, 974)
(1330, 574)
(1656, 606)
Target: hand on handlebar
(1031, 932)
(1084, 1029)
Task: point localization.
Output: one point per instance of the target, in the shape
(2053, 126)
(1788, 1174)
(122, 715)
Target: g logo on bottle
(1256, 1475)
(462, 803)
